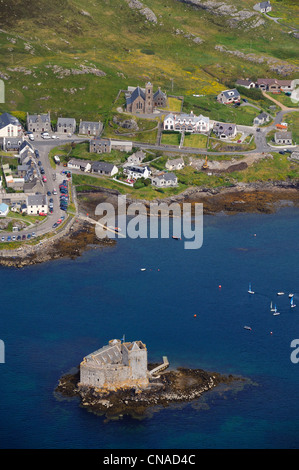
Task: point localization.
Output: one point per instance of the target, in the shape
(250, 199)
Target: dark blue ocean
(54, 314)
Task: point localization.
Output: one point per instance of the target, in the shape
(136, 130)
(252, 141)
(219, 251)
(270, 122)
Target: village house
(37, 203)
(261, 119)
(186, 123)
(225, 130)
(90, 128)
(66, 125)
(10, 126)
(117, 365)
(12, 144)
(76, 164)
(104, 168)
(39, 122)
(135, 172)
(245, 83)
(284, 138)
(136, 158)
(165, 180)
(275, 86)
(229, 96)
(105, 145)
(144, 100)
(175, 164)
(264, 7)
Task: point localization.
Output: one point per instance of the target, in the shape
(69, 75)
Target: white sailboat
(275, 311)
(271, 308)
(280, 293)
(292, 302)
(249, 289)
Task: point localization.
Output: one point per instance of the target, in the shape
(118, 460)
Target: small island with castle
(117, 380)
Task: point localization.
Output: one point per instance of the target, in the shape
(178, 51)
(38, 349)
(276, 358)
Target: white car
(46, 136)
(55, 137)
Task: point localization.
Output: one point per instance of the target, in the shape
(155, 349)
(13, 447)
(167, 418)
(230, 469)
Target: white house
(10, 126)
(229, 96)
(135, 172)
(224, 130)
(37, 203)
(165, 180)
(175, 164)
(76, 164)
(264, 7)
(284, 138)
(186, 123)
(245, 83)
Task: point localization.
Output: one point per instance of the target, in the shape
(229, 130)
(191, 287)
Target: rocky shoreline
(179, 386)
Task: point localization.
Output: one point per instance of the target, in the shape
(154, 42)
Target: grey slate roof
(137, 92)
(34, 117)
(264, 4)
(167, 177)
(37, 200)
(231, 93)
(102, 166)
(6, 119)
(66, 121)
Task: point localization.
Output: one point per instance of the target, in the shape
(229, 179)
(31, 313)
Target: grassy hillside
(73, 57)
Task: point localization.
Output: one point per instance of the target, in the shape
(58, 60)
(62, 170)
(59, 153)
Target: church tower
(148, 106)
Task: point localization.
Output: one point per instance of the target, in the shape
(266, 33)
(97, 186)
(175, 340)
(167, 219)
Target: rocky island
(116, 380)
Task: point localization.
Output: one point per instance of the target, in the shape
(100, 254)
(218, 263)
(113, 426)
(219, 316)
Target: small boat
(280, 293)
(271, 308)
(275, 311)
(142, 269)
(292, 302)
(249, 289)
(247, 328)
(291, 295)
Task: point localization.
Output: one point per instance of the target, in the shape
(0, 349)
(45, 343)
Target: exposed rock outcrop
(143, 10)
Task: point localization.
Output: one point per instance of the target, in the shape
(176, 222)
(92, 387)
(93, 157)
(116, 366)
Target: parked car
(36, 153)
(51, 199)
(39, 163)
(245, 101)
(55, 225)
(44, 179)
(33, 234)
(29, 236)
(282, 152)
(49, 194)
(43, 214)
(23, 237)
(13, 238)
(19, 237)
(54, 191)
(2, 239)
(8, 238)
(42, 171)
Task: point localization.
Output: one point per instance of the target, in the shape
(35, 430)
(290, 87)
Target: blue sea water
(54, 314)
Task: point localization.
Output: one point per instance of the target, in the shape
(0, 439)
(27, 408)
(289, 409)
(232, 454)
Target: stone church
(144, 100)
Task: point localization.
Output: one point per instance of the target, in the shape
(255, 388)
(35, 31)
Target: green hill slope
(73, 57)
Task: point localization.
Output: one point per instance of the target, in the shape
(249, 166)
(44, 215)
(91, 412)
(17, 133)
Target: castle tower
(148, 105)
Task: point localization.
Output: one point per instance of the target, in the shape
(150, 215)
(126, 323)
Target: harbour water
(54, 314)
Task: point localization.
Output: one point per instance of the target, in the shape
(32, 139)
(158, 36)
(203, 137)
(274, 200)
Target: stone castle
(116, 365)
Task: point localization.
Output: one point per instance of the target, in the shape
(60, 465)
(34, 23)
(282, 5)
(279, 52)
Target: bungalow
(37, 203)
(10, 126)
(261, 119)
(275, 86)
(229, 96)
(225, 130)
(175, 164)
(66, 125)
(90, 127)
(39, 122)
(3, 209)
(135, 172)
(186, 123)
(245, 83)
(284, 138)
(264, 7)
(104, 168)
(76, 164)
(136, 158)
(165, 180)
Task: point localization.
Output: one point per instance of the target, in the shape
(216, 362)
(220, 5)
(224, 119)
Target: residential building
(261, 119)
(12, 143)
(10, 126)
(225, 130)
(90, 128)
(136, 158)
(104, 168)
(37, 203)
(264, 7)
(245, 83)
(39, 122)
(275, 86)
(135, 171)
(117, 365)
(284, 138)
(66, 125)
(76, 164)
(229, 96)
(165, 180)
(187, 123)
(100, 145)
(144, 100)
(175, 164)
